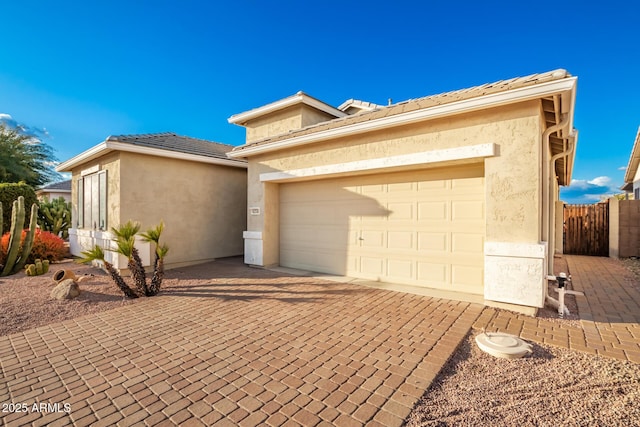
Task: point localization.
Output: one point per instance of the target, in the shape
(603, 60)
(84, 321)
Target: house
(624, 215)
(188, 183)
(632, 174)
(453, 195)
(55, 191)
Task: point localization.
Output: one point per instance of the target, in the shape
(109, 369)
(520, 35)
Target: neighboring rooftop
(632, 166)
(62, 186)
(354, 106)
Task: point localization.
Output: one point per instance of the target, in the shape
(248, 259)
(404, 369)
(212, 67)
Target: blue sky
(86, 70)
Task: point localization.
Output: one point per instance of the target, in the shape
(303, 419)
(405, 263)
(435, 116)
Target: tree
(25, 157)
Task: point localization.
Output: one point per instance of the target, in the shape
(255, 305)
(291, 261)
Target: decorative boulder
(66, 289)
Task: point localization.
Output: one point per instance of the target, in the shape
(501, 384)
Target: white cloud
(622, 168)
(589, 191)
(35, 133)
(601, 181)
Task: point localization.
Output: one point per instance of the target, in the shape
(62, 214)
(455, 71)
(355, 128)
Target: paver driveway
(243, 347)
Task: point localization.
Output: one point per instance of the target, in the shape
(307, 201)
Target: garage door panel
(433, 211)
(315, 260)
(422, 228)
(465, 278)
(467, 210)
(400, 240)
(400, 269)
(432, 185)
(400, 211)
(435, 242)
(434, 273)
(372, 239)
(467, 242)
(372, 267)
(316, 237)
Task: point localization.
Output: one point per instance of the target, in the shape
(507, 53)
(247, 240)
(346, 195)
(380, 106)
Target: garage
(421, 227)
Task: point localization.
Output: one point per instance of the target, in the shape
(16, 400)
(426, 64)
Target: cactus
(55, 216)
(17, 253)
(40, 267)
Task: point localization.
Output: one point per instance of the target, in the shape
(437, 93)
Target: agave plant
(97, 254)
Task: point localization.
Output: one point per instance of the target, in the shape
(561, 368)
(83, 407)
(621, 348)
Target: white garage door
(423, 228)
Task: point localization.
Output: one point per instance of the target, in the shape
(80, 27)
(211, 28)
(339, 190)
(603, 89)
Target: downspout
(552, 166)
(546, 188)
(547, 197)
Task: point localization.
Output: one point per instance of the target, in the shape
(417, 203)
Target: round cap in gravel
(503, 345)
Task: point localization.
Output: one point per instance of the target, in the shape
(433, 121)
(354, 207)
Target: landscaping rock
(66, 289)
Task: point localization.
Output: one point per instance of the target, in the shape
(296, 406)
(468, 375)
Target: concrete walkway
(247, 347)
(609, 313)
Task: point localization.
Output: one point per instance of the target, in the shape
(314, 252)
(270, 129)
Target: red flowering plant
(46, 245)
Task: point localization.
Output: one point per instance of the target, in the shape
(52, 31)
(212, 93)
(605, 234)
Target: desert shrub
(10, 192)
(46, 245)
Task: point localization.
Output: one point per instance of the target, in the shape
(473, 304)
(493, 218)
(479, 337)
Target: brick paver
(609, 313)
(247, 347)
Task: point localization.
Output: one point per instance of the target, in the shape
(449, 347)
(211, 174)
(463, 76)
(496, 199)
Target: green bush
(9, 192)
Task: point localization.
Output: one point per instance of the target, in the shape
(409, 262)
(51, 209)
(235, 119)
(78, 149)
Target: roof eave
(634, 160)
(298, 98)
(108, 146)
(565, 87)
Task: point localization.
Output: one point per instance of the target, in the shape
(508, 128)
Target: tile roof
(57, 186)
(419, 104)
(172, 142)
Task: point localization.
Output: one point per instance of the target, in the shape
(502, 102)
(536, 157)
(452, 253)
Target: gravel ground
(550, 387)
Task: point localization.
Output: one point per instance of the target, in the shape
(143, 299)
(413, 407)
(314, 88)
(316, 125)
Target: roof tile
(419, 103)
(172, 142)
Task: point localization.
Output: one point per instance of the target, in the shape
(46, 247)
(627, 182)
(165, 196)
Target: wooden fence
(586, 229)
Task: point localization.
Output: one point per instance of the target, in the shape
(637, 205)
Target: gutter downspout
(547, 196)
(552, 166)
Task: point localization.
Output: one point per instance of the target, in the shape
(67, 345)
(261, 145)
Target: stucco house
(188, 183)
(452, 195)
(55, 191)
(632, 174)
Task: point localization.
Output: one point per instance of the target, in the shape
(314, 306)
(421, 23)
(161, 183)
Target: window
(92, 201)
(636, 193)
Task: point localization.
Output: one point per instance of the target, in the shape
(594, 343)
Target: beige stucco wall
(202, 205)
(111, 164)
(283, 121)
(628, 228)
(512, 177)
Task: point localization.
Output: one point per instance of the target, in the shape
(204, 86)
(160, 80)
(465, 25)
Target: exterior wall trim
(459, 107)
(426, 157)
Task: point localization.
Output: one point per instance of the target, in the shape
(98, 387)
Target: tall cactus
(55, 216)
(17, 256)
(28, 240)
